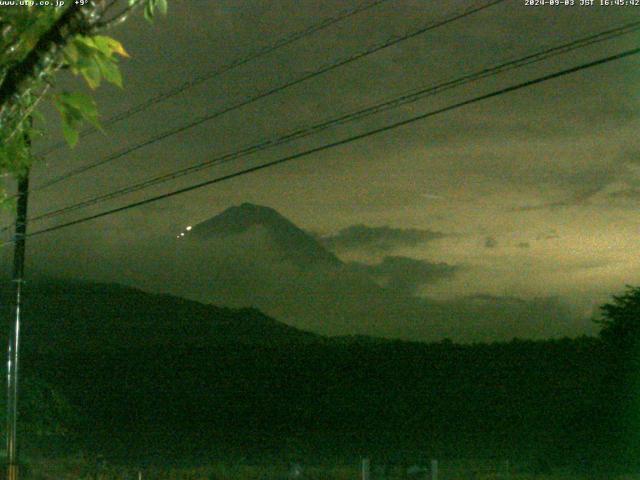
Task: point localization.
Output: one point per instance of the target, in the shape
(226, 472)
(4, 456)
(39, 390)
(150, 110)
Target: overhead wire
(406, 98)
(271, 91)
(351, 139)
(239, 62)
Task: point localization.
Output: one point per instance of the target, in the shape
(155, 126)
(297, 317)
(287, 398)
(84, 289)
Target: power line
(320, 71)
(404, 99)
(345, 141)
(280, 43)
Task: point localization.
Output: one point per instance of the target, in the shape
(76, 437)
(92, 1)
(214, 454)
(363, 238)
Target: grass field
(78, 469)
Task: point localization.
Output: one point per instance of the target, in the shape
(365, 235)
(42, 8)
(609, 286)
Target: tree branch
(29, 110)
(20, 75)
(119, 17)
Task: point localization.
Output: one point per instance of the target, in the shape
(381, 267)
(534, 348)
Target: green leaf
(70, 133)
(85, 108)
(110, 71)
(81, 102)
(83, 40)
(15, 154)
(149, 8)
(84, 45)
(109, 46)
(71, 54)
(75, 108)
(101, 45)
(91, 73)
(162, 6)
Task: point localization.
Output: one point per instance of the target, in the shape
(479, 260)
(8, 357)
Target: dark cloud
(487, 299)
(626, 194)
(405, 274)
(378, 239)
(249, 269)
(490, 242)
(588, 183)
(550, 235)
(579, 198)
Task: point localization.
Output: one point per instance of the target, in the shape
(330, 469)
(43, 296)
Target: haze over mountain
(251, 255)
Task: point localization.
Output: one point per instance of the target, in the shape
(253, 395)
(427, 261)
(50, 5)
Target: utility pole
(14, 334)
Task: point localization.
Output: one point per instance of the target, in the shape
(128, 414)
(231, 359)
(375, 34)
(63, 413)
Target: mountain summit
(293, 242)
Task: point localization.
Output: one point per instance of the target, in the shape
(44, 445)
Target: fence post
(434, 469)
(139, 474)
(366, 468)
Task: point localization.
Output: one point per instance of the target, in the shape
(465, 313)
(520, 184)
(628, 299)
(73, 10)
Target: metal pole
(434, 469)
(366, 468)
(14, 334)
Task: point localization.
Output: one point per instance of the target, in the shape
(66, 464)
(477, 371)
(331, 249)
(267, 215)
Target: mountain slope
(158, 375)
(83, 316)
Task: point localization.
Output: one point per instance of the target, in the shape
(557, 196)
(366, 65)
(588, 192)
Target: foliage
(620, 408)
(93, 58)
(35, 44)
(44, 411)
(152, 6)
(74, 108)
(232, 383)
(229, 383)
(621, 319)
(75, 468)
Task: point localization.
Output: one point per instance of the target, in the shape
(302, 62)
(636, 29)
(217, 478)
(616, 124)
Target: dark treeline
(155, 376)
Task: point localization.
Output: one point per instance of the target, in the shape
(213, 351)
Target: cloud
(626, 194)
(378, 239)
(490, 242)
(483, 317)
(581, 197)
(374, 300)
(619, 179)
(247, 270)
(550, 235)
(404, 274)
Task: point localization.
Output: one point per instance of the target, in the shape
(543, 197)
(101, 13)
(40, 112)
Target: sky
(526, 201)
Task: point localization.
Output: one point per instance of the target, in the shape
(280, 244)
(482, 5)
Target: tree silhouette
(619, 414)
(621, 320)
